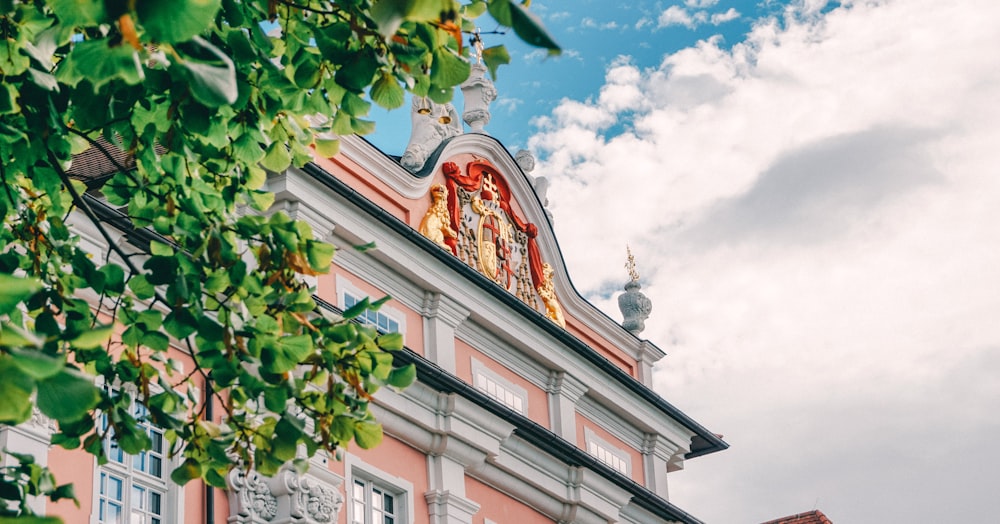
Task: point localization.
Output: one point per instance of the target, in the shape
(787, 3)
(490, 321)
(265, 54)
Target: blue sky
(811, 192)
(592, 33)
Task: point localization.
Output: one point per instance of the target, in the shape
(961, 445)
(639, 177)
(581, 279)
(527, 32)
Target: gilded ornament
(547, 291)
(436, 224)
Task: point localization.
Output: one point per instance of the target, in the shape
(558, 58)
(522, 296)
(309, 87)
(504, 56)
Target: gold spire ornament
(633, 275)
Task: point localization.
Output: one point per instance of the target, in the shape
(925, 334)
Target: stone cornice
(438, 305)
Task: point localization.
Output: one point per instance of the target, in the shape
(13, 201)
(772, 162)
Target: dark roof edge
(704, 441)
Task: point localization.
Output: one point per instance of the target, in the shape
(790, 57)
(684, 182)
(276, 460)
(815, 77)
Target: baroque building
(531, 405)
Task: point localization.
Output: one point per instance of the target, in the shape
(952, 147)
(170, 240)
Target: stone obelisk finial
(478, 91)
(635, 306)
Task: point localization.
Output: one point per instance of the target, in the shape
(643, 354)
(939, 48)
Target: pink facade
(530, 407)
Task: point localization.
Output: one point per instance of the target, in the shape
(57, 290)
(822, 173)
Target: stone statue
(431, 124)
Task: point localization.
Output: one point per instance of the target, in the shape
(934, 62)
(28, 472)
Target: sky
(812, 193)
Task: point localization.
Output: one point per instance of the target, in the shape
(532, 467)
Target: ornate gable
(473, 216)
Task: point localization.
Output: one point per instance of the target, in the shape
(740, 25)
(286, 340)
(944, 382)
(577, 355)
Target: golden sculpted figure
(548, 293)
(436, 225)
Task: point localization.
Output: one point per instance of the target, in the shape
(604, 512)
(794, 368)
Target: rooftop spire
(635, 306)
(478, 91)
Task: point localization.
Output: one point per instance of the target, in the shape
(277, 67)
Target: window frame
(482, 375)
(595, 445)
(133, 477)
(400, 489)
(346, 289)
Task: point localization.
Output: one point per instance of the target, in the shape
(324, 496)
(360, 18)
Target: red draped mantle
(473, 182)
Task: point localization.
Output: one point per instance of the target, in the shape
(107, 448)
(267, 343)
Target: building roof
(809, 517)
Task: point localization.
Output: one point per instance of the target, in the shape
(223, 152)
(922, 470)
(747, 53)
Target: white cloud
(676, 15)
(814, 213)
(508, 104)
(721, 18)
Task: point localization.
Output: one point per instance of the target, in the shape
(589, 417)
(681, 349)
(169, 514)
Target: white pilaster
(564, 392)
(657, 453)
(442, 317)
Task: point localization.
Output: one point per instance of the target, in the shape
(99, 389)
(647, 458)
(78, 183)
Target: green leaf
(36, 364)
(448, 69)
(388, 15)
(114, 278)
(402, 377)
(494, 57)
(67, 396)
(387, 93)
(15, 392)
(174, 21)
(141, 286)
(525, 24)
(161, 249)
(289, 351)
(32, 519)
(320, 254)
(213, 80)
(93, 338)
(277, 158)
(14, 290)
(390, 341)
(100, 63)
(73, 13)
(474, 10)
(327, 147)
(8, 99)
(180, 323)
(189, 470)
(367, 434)
(357, 73)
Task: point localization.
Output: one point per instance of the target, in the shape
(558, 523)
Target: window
(501, 389)
(373, 504)
(616, 458)
(387, 319)
(375, 496)
(378, 319)
(133, 488)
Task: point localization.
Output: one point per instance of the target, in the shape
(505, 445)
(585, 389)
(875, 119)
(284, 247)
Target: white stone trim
(504, 353)
(356, 467)
(618, 459)
(502, 390)
(370, 159)
(611, 422)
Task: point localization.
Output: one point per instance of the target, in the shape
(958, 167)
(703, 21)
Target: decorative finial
(633, 275)
(477, 44)
(635, 306)
(478, 90)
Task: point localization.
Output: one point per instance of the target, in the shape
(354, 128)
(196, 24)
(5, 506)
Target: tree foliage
(202, 97)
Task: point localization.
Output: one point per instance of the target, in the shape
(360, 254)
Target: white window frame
(171, 501)
(612, 456)
(499, 388)
(345, 288)
(401, 490)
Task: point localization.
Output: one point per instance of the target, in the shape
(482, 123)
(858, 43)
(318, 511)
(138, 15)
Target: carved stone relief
(286, 498)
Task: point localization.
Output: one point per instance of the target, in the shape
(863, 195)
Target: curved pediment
(447, 200)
